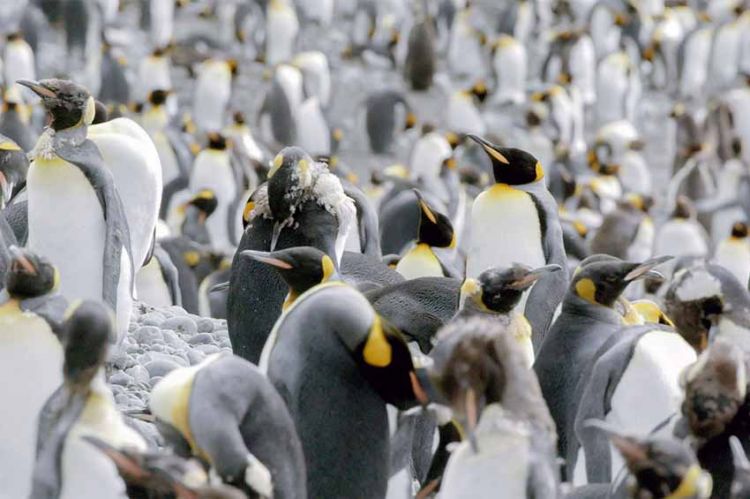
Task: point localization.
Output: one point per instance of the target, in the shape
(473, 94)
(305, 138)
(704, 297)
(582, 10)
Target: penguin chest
(151, 287)
(734, 255)
(169, 166)
(213, 171)
(66, 224)
(31, 359)
(520, 330)
(505, 229)
(420, 261)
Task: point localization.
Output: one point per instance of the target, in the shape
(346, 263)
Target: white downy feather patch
(698, 284)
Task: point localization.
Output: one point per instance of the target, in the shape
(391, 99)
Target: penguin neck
(575, 305)
(51, 139)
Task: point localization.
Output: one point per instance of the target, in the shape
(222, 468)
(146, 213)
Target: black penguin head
(301, 268)
(739, 230)
(683, 208)
(479, 90)
(216, 141)
(68, 103)
(661, 467)
(205, 201)
(601, 279)
(290, 172)
(158, 97)
(238, 117)
(88, 328)
(29, 274)
(101, 115)
(435, 229)
(511, 166)
(500, 289)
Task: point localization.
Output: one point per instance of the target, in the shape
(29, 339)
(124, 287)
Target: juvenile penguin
(516, 221)
(13, 169)
(494, 294)
(251, 443)
(434, 231)
(587, 320)
(69, 186)
(67, 466)
(511, 437)
(336, 380)
(31, 359)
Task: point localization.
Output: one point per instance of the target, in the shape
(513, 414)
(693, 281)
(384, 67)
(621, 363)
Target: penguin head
(601, 279)
(479, 90)
(158, 97)
(499, 290)
(715, 389)
(205, 201)
(87, 331)
(739, 230)
(301, 267)
(217, 141)
(435, 229)
(290, 173)
(29, 274)
(660, 467)
(683, 209)
(511, 166)
(68, 103)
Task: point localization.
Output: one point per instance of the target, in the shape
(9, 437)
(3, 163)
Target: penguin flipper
(57, 417)
(367, 219)
(169, 274)
(88, 159)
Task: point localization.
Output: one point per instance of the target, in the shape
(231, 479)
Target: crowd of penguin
(463, 248)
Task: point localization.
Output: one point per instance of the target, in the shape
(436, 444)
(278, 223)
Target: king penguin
(337, 364)
(281, 31)
(733, 253)
(516, 221)
(434, 231)
(587, 320)
(213, 88)
(31, 359)
(18, 60)
(14, 167)
(382, 119)
(251, 443)
(67, 466)
(68, 187)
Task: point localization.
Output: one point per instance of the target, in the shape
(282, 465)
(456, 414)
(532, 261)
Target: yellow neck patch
(689, 485)
(9, 146)
(328, 268)
(377, 351)
(586, 289)
(277, 161)
(249, 207)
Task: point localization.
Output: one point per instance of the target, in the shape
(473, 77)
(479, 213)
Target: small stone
(120, 359)
(152, 319)
(120, 378)
(208, 349)
(160, 367)
(221, 333)
(133, 349)
(121, 399)
(195, 356)
(139, 374)
(182, 325)
(117, 389)
(205, 325)
(144, 358)
(225, 343)
(170, 358)
(201, 339)
(157, 347)
(147, 334)
(177, 310)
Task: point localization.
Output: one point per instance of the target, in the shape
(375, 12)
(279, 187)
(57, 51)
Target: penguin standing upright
(281, 105)
(155, 120)
(213, 88)
(434, 231)
(161, 15)
(153, 74)
(18, 60)
(382, 123)
(419, 67)
(213, 170)
(516, 221)
(13, 169)
(509, 64)
(67, 466)
(251, 444)
(733, 253)
(317, 76)
(15, 120)
(31, 361)
(75, 212)
(336, 379)
(281, 31)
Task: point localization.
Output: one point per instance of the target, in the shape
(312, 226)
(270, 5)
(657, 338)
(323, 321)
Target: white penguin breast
(151, 287)
(734, 255)
(680, 237)
(463, 116)
(212, 170)
(281, 28)
(31, 359)
(66, 225)
(312, 130)
(505, 229)
(153, 74)
(212, 92)
(658, 360)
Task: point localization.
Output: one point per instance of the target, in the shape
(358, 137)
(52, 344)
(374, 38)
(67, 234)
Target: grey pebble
(169, 358)
(184, 325)
(147, 334)
(160, 367)
(201, 339)
(121, 360)
(157, 347)
(176, 310)
(195, 356)
(120, 378)
(139, 374)
(152, 319)
(205, 325)
(208, 349)
(172, 340)
(221, 333)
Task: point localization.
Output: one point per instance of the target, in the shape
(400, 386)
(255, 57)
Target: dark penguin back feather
(420, 57)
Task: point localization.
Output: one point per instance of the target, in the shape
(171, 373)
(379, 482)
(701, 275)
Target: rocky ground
(158, 341)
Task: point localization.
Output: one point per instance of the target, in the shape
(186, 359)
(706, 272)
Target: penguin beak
(425, 207)
(534, 275)
(470, 401)
(38, 88)
(490, 149)
(645, 269)
(267, 258)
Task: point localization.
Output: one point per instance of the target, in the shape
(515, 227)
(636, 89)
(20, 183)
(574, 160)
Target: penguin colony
(374, 249)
